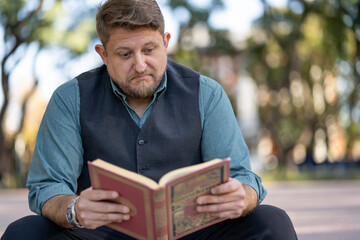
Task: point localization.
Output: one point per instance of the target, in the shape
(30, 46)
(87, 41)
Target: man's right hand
(95, 208)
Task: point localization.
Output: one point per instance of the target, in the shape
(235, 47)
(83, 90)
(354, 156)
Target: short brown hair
(130, 14)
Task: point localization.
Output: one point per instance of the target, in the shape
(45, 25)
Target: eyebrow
(129, 48)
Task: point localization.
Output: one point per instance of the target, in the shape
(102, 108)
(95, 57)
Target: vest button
(141, 142)
(143, 169)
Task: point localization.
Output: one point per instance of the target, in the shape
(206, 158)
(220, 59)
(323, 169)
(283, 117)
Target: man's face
(136, 60)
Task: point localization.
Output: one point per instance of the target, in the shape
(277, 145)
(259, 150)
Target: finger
(229, 197)
(98, 195)
(227, 214)
(231, 186)
(104, 217)
(102, 220)
(109, 217)
(101, 207)
(93, 219)
(237, 207)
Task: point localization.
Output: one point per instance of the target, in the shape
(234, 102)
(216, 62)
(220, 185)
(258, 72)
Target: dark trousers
(265, 223)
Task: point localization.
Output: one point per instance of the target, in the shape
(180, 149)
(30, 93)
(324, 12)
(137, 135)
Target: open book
(164, 210)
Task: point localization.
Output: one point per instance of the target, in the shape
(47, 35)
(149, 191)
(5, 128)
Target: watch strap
(71, 214)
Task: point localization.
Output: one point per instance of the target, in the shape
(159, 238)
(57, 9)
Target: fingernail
(126, 217)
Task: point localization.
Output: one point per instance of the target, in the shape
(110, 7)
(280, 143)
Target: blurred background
(291, 69)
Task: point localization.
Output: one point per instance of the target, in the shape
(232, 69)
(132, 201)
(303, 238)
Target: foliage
(299, 56)
(45, 24)
(197, 24)
(305, 60)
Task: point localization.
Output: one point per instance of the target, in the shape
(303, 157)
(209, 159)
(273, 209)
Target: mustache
(137, 74)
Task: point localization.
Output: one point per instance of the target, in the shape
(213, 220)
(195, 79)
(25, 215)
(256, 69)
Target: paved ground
(319, 210)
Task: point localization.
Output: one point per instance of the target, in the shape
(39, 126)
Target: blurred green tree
(43, 24)
(194, 21)
(305, 59)
(199, 42)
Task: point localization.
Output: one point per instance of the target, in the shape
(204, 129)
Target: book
(164, 210)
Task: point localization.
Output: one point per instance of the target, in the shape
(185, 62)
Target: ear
(167, 37)
(100, 49)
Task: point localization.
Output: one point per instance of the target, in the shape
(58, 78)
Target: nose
(139, 63)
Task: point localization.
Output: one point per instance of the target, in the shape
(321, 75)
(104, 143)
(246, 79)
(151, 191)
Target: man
(146, 114)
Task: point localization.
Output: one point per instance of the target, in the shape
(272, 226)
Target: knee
(274, 223)
(31, 227)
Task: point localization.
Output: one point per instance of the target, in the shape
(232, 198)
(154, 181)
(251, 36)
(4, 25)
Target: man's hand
(94, 208)
(229, 200)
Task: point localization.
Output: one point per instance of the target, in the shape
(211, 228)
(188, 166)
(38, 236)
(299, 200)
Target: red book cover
(136, 196)
(164, 210)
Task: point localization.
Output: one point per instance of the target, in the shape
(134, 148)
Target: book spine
(160, 215)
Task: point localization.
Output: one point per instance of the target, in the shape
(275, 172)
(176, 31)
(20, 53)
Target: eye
(148, 50)
(125, 55)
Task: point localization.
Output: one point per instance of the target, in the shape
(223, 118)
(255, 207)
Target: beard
(142, 90)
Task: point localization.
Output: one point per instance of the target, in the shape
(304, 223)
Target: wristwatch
(71, 214)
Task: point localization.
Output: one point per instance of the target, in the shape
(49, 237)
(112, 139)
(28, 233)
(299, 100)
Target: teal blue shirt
(58, 155)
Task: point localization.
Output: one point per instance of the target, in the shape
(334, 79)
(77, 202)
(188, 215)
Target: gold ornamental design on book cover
(183, 200)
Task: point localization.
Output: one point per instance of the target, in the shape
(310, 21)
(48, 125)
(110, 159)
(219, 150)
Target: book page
(126, 174)
(185, 170)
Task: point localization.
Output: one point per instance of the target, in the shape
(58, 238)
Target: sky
(240, 12)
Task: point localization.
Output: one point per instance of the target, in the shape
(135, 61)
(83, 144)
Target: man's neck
(139, 105)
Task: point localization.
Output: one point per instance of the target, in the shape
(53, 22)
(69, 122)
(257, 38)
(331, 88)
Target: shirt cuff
(39, 195)
(255, 182)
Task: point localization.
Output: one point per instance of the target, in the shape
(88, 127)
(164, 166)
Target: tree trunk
(7, 163)
(7, 157)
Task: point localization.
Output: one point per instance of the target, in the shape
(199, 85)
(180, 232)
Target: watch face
(69, 216)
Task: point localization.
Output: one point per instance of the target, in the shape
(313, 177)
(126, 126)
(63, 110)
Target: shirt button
(141, 142)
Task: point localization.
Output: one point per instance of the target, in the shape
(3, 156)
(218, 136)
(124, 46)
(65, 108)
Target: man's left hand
(228, 200)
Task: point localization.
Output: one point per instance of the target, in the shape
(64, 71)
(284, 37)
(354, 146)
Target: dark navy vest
(169, 139)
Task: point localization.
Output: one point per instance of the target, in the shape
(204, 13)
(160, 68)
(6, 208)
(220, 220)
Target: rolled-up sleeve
(57, 160)
(222, 137)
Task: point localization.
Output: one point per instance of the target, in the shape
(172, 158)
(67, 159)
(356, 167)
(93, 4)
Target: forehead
(123, 37)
